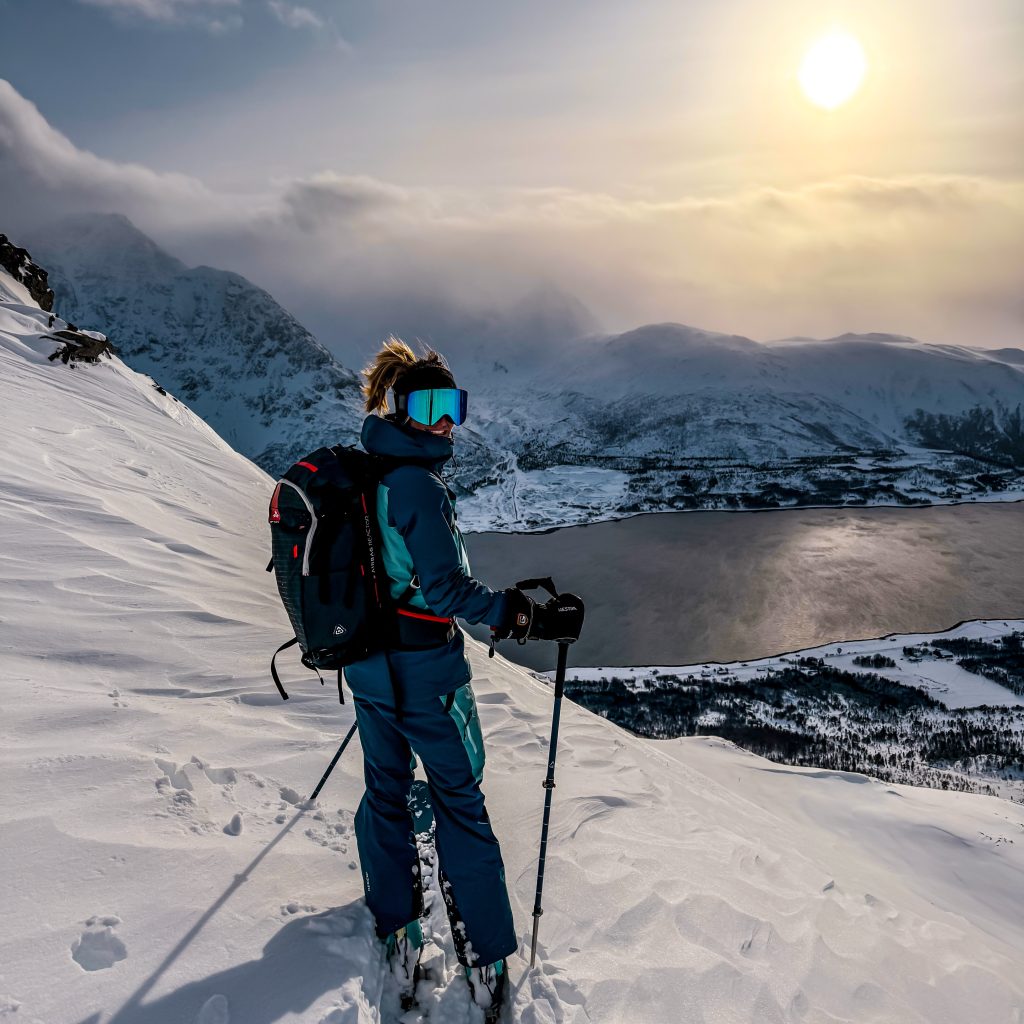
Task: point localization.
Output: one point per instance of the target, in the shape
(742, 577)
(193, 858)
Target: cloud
(295, 16)
(213, 15)
(328, 200)
(937, 257)
(45, 174)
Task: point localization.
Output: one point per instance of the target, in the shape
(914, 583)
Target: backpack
(326, 556)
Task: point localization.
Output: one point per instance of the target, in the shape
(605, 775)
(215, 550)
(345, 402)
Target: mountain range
(662, 417)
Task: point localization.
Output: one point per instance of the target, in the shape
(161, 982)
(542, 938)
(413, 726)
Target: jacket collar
(383, 435)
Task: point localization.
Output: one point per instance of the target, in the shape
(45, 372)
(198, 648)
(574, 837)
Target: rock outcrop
(17, 262)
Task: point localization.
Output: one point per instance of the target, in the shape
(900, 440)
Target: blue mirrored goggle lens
(430, 405)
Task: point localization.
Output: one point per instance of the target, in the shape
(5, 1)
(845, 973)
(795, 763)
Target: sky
(462, 167)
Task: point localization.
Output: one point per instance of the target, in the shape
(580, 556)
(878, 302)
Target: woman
(417, 695)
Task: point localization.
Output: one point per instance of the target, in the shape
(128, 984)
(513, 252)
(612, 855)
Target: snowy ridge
(161, 867)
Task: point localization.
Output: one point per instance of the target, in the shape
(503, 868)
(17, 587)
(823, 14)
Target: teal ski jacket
(423, 547)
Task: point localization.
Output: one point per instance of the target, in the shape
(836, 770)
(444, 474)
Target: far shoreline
(914, 506)
(1010, 622)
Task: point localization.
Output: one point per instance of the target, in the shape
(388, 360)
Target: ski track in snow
(162, 864)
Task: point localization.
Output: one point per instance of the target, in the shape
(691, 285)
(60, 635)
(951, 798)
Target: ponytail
(389, 365)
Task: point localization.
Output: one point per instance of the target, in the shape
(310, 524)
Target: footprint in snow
(98, 948)
(294, 907)
(218, 776)
(175, 778)
(334, 836)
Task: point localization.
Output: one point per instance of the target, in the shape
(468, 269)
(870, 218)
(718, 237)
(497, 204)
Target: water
(681, 588)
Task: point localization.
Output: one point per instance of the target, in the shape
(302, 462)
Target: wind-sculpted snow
(161, 864)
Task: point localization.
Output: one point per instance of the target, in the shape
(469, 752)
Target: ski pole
(334, 761)
(549, 785)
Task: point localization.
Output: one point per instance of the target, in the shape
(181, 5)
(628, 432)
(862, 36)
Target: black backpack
(326, 556)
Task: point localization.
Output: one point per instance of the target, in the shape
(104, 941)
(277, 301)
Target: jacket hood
(384, 436)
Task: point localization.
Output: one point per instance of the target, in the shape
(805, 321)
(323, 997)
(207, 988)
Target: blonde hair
(388, 366)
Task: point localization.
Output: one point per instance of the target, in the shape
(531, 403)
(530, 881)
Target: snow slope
(160, 867)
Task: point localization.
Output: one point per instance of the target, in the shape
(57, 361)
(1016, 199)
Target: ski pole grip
(540, 583)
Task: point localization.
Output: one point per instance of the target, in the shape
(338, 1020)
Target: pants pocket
(461, 705)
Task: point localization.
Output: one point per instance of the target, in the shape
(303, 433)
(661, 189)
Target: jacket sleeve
(419, 508)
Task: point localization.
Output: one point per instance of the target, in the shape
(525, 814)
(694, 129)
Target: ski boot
(488, 987)
(403, 951)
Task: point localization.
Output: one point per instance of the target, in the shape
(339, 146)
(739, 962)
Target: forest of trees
(811, 713)
(980, 432)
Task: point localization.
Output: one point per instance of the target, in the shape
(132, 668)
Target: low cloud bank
(938, 257)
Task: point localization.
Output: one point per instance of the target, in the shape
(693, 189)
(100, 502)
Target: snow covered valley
(161, 865)
(943, 711)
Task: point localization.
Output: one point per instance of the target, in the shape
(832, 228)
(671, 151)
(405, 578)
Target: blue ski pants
(447, 740)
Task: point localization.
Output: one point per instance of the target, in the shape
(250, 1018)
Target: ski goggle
(430, 405)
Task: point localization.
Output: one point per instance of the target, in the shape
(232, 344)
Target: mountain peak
(110, 239)
(209, 336)
(671, 335)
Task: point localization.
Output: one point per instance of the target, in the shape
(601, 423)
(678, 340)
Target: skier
(416, 696)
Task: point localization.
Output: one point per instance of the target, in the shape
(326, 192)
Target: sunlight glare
(832, 69)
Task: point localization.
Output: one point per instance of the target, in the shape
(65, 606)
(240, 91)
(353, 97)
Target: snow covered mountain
(161, 865)
(662, 417)
(669, 416)
(208, 336)
(214, 339)
(731, 396)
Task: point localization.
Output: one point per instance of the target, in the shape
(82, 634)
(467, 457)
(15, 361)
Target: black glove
(560, 618)
(519, 611)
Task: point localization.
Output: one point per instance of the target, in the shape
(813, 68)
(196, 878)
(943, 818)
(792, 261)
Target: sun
(833, 69)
